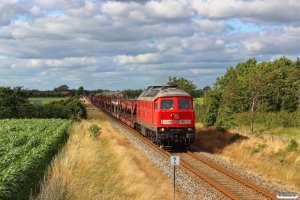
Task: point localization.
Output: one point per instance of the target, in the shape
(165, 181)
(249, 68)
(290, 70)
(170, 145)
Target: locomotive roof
(153, 92)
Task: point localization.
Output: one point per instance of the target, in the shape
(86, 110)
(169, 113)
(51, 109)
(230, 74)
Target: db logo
(176, 116)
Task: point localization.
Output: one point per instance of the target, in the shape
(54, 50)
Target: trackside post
(175, 160)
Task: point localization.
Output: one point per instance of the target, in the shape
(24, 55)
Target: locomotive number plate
(182, 121)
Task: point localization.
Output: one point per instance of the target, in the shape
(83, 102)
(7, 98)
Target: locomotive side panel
(145, 111)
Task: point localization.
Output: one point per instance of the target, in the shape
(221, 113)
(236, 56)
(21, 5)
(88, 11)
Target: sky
(122, 44)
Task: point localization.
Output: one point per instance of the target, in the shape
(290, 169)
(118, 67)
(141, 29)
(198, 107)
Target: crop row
(26, 148)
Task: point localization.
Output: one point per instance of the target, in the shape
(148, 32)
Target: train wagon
(163, 114)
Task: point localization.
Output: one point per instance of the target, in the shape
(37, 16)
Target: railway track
(200, 173)
(231, 185)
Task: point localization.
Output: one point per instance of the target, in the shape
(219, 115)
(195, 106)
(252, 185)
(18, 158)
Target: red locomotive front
(165, 115)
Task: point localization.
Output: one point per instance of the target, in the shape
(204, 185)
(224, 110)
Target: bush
(225, 119)
(259, 148)
(94, 131)
(75, 109)
(270, 119)
(199, 113)
(293, 146)
(70, 109)
(237, 137)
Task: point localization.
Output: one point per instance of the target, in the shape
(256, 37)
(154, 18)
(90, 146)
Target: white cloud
(107, 44)
(150, 12)
(9, 11)
(145, 58)
(37, 11)
(258, 11)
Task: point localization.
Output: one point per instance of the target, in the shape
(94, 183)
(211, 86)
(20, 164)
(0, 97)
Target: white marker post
(175, 160)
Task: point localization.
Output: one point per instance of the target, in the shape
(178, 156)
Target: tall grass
(107, 168)
(274, 159)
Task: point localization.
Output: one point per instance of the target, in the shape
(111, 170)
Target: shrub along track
(200, 177)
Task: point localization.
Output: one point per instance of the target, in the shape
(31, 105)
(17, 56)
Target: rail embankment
(273, 158)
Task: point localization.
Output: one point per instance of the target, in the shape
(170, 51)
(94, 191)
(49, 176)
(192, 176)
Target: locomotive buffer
(175, 160)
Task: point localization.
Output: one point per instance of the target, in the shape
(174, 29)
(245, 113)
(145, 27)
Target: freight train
(163, 114)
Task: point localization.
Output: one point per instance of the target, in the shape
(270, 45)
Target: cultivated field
(26, 148)
(198, 101)
(45, 100)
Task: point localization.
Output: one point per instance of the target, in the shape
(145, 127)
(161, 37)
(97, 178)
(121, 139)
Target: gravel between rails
(263, 184)
(239, 189)
(193, 186)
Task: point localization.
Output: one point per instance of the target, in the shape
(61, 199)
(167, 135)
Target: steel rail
(233, 176)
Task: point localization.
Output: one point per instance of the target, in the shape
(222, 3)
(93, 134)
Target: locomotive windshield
(167, 104)
(184, 104)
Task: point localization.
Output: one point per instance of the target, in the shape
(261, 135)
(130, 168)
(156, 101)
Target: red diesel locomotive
(163, 114)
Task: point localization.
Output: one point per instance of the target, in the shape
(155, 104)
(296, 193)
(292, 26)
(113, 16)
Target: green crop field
(26, 148)
(45, 100)
(198, 101)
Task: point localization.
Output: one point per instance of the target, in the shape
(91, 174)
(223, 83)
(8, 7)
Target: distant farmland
(198, 101)
(45, 100)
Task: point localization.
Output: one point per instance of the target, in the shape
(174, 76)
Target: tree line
(61, 91)
(266, 92)
(14, 103)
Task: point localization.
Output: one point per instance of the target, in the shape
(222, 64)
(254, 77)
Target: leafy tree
(212, 100)
(225, 119)
(206, 88)
(184, 84)
(76, 110)
(198, 93)
(284, 93)
(131, 94)
(80, 91)
(99, 91)
(60, 88)
(267, 87)
(13, 102)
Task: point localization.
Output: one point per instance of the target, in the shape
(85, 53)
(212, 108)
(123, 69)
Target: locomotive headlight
(161, 129)
(190, 129)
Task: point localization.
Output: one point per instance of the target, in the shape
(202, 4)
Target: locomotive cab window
(184, 104)
(156, 106)
(167, 105)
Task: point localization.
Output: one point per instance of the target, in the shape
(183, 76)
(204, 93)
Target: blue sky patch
(196, 17)
(56, 12)
(233, 44)
(240, 26)
(22, 18)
